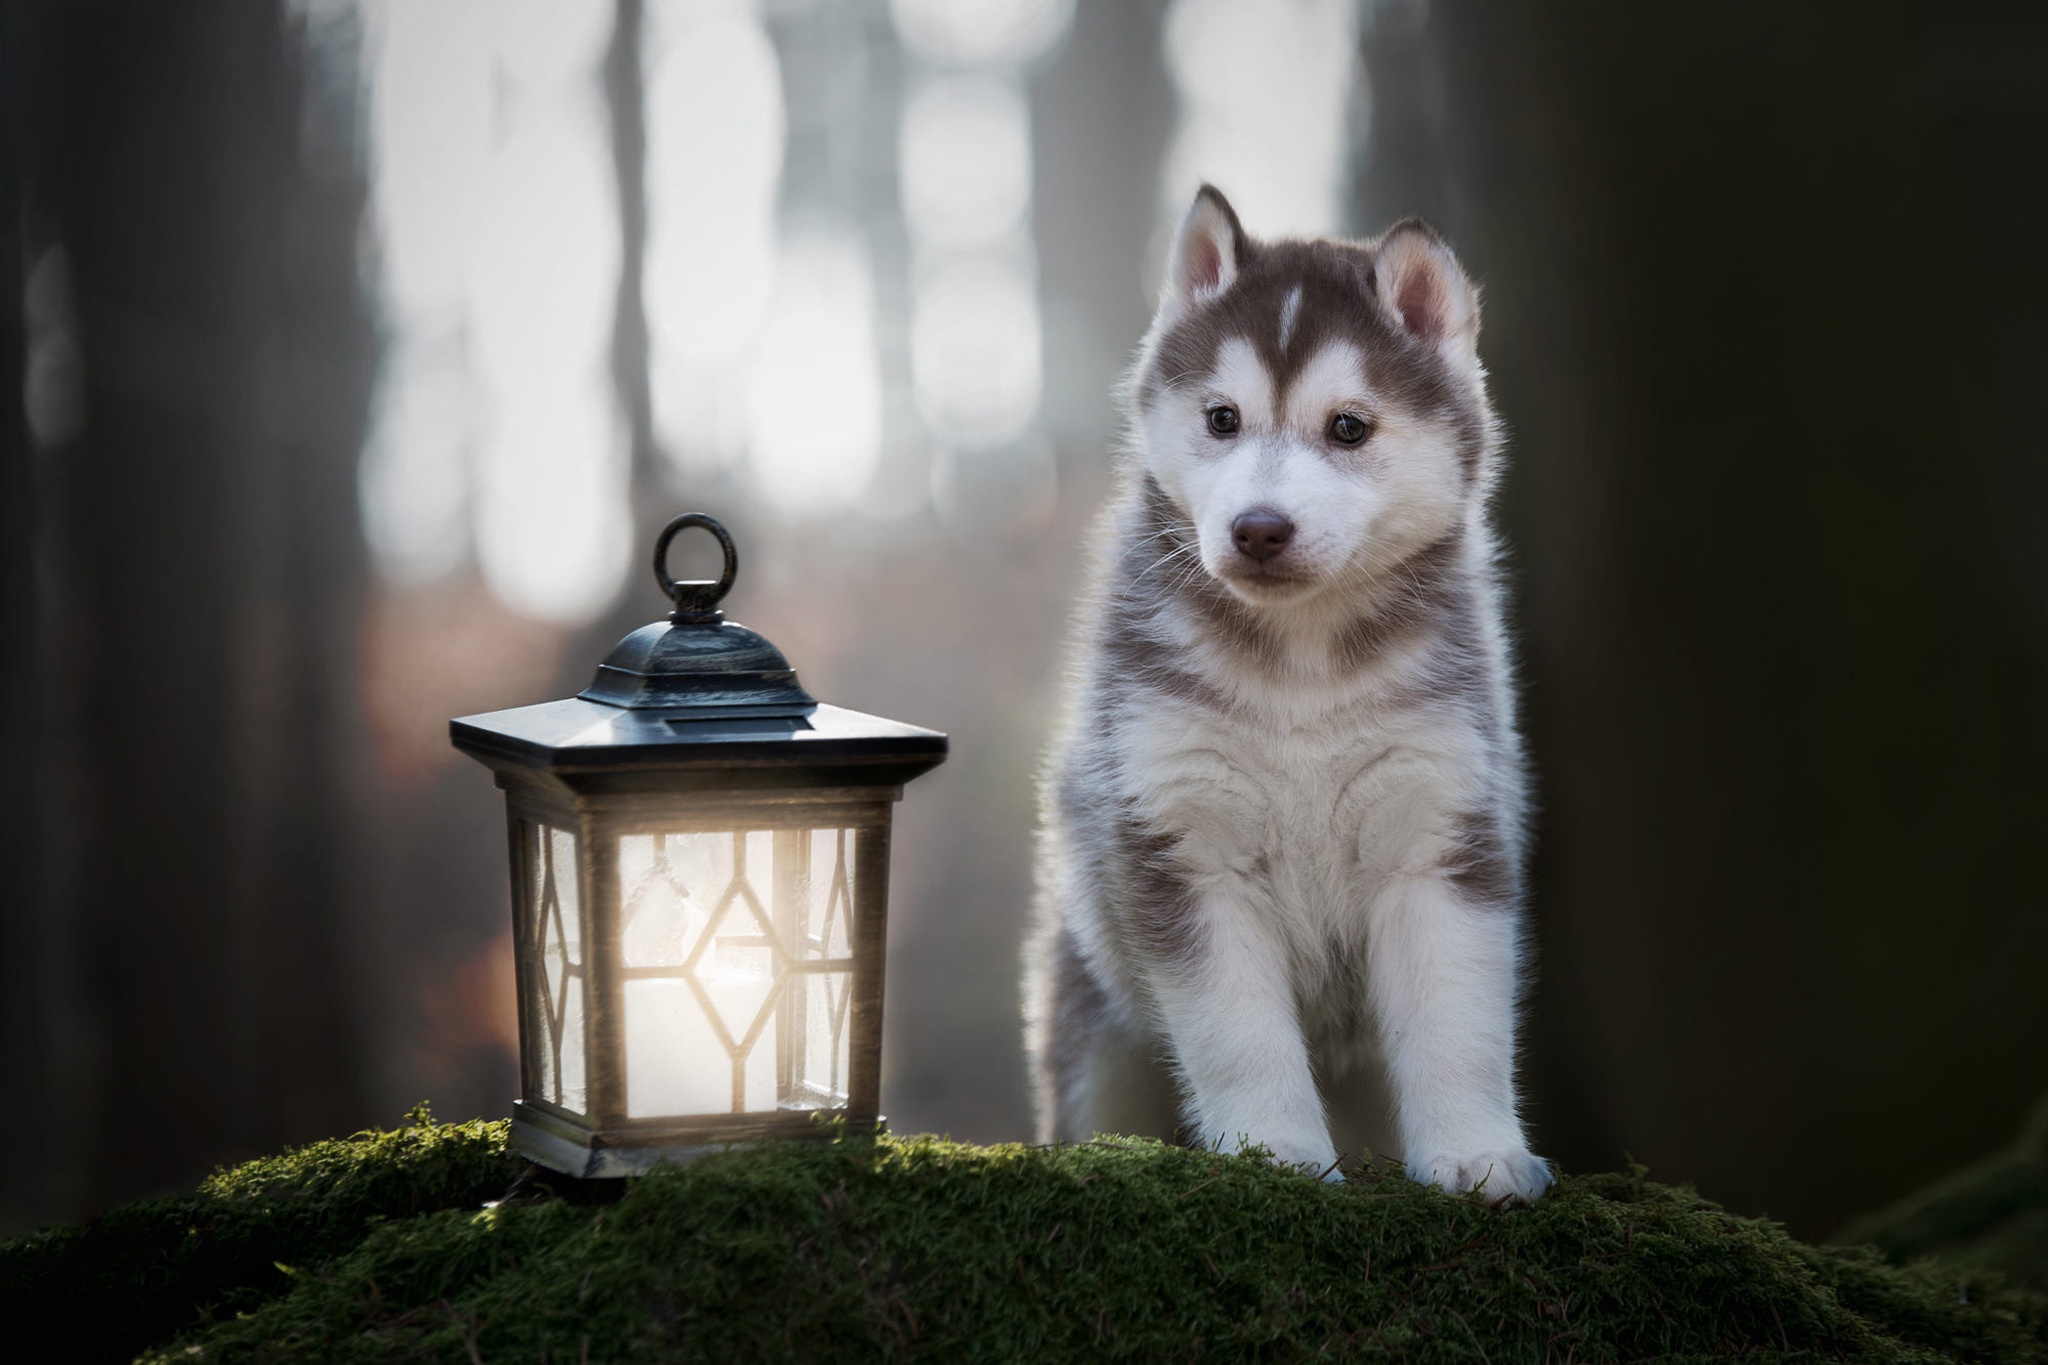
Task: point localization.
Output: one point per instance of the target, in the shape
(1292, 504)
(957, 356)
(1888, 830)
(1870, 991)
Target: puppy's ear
(1425, 292)
(1205, 253)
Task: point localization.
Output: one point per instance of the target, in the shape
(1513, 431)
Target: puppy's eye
(1223, 421)
(1348, 428)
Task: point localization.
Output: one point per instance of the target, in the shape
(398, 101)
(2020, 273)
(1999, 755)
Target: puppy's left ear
(1205, 254)
(1425, 292)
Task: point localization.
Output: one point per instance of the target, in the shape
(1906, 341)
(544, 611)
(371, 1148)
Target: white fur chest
(1309, 819)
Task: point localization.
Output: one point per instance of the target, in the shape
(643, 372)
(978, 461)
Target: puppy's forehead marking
(1333, 377)
(1243, 378)
(1289, 311)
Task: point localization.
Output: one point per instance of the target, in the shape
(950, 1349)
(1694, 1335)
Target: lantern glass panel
(738, 969)
(551, 946)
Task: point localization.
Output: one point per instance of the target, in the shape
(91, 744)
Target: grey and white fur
(1281, 861)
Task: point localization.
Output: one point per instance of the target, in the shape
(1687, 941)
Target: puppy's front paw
(1519, 1174)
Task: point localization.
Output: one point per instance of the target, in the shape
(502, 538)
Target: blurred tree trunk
(24, 1020)
(1763, 296)
(198, 554)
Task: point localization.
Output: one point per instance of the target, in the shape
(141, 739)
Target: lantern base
(569, 1146)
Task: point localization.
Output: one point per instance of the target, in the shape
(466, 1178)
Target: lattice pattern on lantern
(738, 970)
(551, 947)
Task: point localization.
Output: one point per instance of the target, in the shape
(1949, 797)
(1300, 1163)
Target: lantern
(700, 866)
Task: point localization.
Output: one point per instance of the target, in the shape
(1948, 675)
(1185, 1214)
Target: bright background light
(1263, 86)
(715, 135)
(965, 160)
(966, 32)
(415, 476)
(814, 392)
(975, 349)
(496, 237)
(431, 113)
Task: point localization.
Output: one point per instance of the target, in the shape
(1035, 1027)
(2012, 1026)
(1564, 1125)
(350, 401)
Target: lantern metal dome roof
(718, 664)
(698, 692)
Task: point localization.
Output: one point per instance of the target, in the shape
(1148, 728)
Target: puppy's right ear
(1424, 290)
(1205, 253)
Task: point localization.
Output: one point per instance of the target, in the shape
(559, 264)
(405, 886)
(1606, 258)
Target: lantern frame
(691, 729)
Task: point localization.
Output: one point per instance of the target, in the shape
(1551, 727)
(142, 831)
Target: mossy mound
(922, 1249)
(143, 1274)
(1992, 1216)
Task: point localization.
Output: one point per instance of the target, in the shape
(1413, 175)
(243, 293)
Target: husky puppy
(1280, 865)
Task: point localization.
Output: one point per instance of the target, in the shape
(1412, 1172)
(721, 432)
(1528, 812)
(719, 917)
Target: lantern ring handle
(696, 600)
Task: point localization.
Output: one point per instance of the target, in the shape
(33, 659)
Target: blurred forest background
(359, 348)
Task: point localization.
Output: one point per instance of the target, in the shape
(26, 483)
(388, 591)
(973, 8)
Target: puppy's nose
(1261, 533)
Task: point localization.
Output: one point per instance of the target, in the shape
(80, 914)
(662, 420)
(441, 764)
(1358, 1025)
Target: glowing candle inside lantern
(678, 1060)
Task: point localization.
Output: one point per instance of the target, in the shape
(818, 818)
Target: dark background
(1763, 298)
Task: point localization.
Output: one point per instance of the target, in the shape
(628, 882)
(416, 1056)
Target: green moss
(146, 1273)
(916, 1248)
